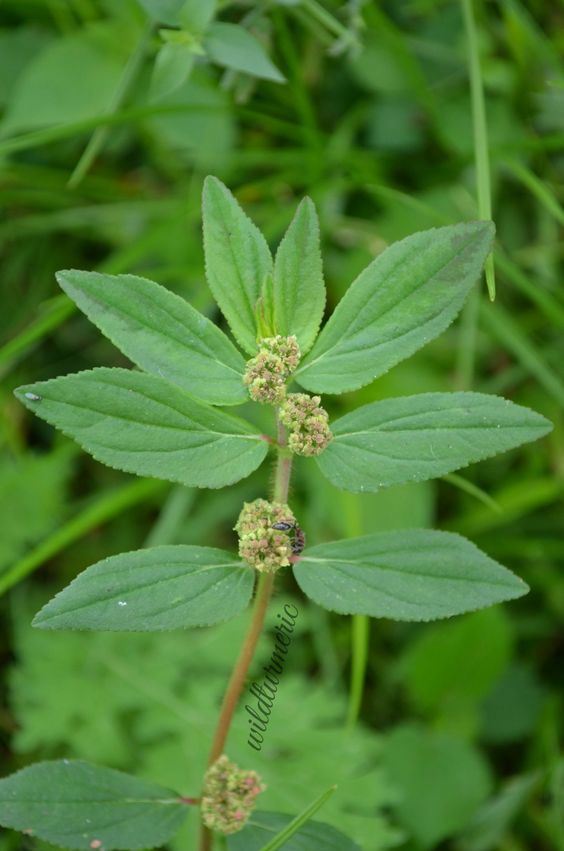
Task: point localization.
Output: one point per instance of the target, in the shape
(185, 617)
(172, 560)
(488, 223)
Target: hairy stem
(264, 590)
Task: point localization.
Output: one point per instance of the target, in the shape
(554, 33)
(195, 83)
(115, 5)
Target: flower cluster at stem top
(261, 546)
(229, 796)
(267, 375)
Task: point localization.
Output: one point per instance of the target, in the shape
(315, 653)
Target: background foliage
(365, 107)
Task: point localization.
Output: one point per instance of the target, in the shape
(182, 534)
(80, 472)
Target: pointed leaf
(403, 299)
(412, 438)
(313, 836)
(168, 587)
(195, 15)
(160, 332)
(143, 425)
(172, 68)
(238, 260)
(299, 290)
(412, 575)
(74, 804)
(232, 46)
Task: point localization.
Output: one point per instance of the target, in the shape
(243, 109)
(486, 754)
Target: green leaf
(432, 676)
(412, 438)
(46, 93)
(160, 332)
(74, 804)
(163, 11)
(412, 575)
(195, 15)
(143, 425)
(168, 587)
(404, 298)
(172, 68)
(299, 290)
(238, 260)
(440, 782)
(234, 47)
(313, 836)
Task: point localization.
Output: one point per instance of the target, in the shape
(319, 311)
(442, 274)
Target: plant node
(261, 546)
(307, 423)
(229, 796)
(267, 373)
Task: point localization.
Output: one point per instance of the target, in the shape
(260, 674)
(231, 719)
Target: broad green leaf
(440, 782)
(412, 575)
(75, 804)
(168, 587)
(160, 332)
(431, 673)
(404, 298)
(238, 260)
(163, 11)
(313, 836)
(46, 93)
(412, 438)
(143, 425)
(299, 290)
(234, 47)
(172, 68)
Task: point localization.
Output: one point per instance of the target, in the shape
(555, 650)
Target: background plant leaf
(160, 332)
(407, 296)
(232, 46)
(47, 94)
(173, 65)
(313, 836)
(163, 11)
(144, 425)
(413, 438)
(238, 260)
(74, 804)
(168, 587)
(299, 289)
(413, 574)
(443, 781)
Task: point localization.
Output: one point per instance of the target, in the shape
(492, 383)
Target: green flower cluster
(307, 423)
(229, 796)
(267, 373)
(261, 546)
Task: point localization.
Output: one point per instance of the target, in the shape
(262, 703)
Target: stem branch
(264, 589)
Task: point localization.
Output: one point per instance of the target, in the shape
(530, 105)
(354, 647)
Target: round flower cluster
(267, 373)
(229, 796)
(260, 545)
(307, 423)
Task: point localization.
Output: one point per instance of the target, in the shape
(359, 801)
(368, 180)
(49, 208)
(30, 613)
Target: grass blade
(298, 822)
(480, 127)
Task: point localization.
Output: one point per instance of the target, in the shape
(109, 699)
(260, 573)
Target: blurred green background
(458, 742)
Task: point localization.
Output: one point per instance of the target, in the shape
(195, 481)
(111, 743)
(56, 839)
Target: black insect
(299, 540)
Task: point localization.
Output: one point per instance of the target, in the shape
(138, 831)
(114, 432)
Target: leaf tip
(27, 394)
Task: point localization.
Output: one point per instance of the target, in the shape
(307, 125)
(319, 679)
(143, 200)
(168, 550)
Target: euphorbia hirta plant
(167, 420)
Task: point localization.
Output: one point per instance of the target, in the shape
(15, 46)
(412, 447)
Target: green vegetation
(439, 735)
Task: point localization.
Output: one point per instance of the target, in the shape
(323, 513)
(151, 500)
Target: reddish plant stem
(264, 590)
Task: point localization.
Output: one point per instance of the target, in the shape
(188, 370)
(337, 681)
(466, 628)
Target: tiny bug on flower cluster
(298, 542)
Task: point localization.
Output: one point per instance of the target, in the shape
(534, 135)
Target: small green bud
(267, 373)
(307, 423)
(229, 796)
(261, 546)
